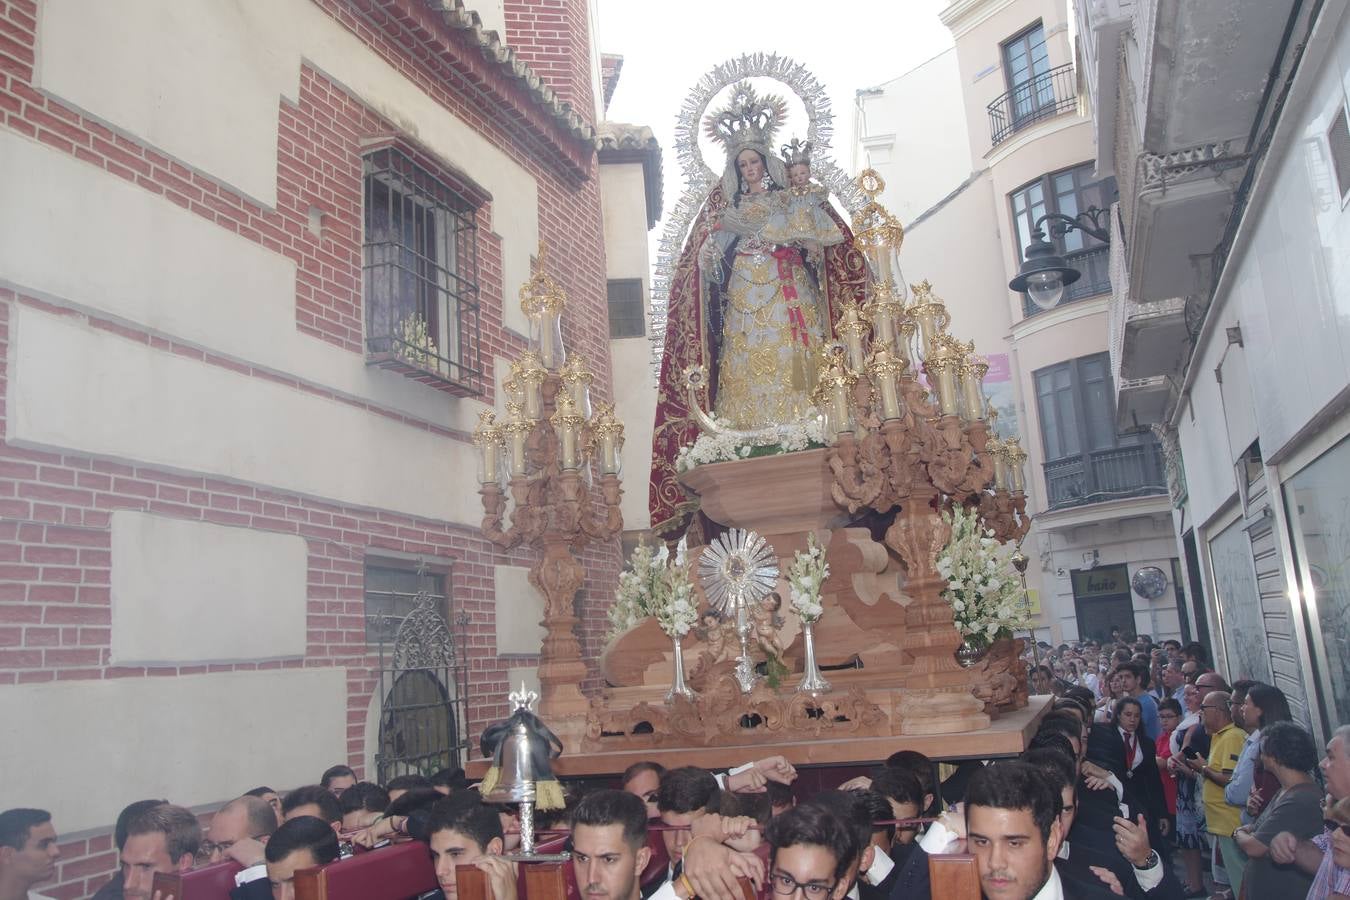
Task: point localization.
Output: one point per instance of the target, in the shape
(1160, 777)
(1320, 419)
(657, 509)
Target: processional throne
(897, 455)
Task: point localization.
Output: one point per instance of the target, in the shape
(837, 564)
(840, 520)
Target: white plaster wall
(195, 739)
(520, 609)
(968, 281)
(1291, 294)
(77, 387)
(635, 396)
(1203, 434)
(623, 203)
(912, 129)
(135, 256)
(203, 81)
(623, 206)
(194, 592)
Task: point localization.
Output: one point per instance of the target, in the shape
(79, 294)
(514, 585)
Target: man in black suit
(609, 845)
(879, 873)
(300, 843)
(1140, 871)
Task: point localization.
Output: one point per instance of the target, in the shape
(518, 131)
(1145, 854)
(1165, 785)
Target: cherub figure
(767, 622)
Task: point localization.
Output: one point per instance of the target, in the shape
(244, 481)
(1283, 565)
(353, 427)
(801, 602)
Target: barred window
(391, 594)
(627, 316)
(421, 274)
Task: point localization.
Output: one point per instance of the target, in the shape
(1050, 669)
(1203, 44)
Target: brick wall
(552, 38)
(55, 507)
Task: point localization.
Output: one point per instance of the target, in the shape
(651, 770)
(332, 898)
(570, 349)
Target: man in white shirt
(609, 845)
(28, 852)
(1013, 829)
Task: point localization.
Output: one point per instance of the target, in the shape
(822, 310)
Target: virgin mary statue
(753, 295)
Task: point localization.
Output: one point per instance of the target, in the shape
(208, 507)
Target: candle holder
(972, 373)
(549, 435)
(833, 393)
(879, 235)
(943, 362)
(487, 437)
(929, 312)
(852, 328)
(542, 300)
(529, 373)
(609, 436)
(577, 380)
(884, 370)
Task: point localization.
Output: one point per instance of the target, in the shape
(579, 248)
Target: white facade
(966, 242)
(1247, 372)
(912, 128)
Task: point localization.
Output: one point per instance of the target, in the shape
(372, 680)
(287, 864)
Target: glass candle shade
(546, 335)
(972, 388)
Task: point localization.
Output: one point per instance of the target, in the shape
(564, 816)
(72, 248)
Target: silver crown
(797, 153)
(747, 119)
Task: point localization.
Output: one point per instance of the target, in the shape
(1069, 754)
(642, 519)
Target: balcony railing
(1042, 97)
(1102, 475)
(1096, 279)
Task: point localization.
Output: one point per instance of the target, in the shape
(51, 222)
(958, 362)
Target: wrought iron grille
(423, 676)
(1040, 97)
(1101, 475)
(420, 270)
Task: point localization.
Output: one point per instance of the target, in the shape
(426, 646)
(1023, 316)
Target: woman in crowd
(1264, 705)
(1190, 830)
(1169, 715)
(1289, 753)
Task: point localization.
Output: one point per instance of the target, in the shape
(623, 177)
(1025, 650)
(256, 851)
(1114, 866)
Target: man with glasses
(810, 853)
(1225, 748)
(239, 831)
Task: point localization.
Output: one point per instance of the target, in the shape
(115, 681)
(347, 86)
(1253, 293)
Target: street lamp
(1045, 274)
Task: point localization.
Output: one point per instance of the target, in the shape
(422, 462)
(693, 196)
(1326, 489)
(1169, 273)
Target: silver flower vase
(812, 681)
(677, 687)
(969, 654)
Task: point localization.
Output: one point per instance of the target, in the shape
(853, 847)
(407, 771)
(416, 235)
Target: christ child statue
(802, 219)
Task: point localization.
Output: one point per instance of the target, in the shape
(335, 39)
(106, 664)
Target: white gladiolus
(805, 577)
(983, 589)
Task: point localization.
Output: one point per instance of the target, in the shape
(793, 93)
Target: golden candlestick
(609, 434)
(529, 373)
(516, 432)
(542, 300)
(943, 363)
(972, 386)
(577, 380)
(852, 327)
(884, 369)
(487, 437)
(1000, 456)
(929, 312)
(567, 422)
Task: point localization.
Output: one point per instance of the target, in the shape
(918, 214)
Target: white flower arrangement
(805, 577)
(418, 347)
(805, 434)
(983, 588)
(654, 585)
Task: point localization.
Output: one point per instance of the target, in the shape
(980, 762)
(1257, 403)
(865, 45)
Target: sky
(846, 44)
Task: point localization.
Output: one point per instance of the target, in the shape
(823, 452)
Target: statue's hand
(710, 260)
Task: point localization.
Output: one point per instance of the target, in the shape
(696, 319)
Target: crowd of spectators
(1149, 776)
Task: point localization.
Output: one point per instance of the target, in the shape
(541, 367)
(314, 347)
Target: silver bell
(516, 776)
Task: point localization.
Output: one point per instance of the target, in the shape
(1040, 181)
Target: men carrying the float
(609, 845)
(28, 852)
